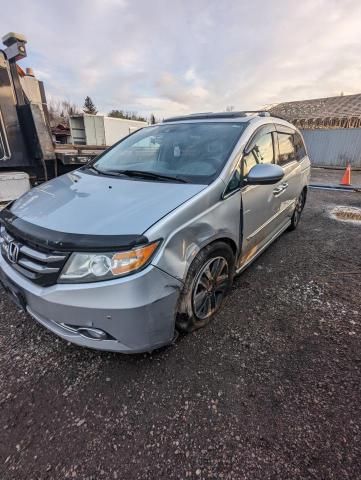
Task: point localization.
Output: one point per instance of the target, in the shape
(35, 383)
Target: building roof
(330, 112)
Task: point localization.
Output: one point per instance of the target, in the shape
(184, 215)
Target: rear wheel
(208, 281)
(298, 210)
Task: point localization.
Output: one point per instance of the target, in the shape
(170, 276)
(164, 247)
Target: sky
(185, 56)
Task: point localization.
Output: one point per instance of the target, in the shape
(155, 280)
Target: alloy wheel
(210, 287)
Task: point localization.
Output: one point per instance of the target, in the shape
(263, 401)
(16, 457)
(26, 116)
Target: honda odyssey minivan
(146, 239)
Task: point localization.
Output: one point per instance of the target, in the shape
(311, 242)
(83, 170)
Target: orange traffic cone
(346, 179)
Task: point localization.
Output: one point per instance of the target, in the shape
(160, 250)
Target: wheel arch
(226, 240)
(184, 312)
(222, 239)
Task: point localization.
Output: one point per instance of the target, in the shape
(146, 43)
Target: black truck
(26, 142)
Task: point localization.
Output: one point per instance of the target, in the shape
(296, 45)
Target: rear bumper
(136, 312)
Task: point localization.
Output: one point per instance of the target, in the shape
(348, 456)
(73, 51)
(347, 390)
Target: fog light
(93, 333)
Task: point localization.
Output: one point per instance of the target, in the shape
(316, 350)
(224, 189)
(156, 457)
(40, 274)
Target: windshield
(188, 152)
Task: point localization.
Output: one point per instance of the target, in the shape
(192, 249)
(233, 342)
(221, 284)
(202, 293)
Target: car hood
(85, 203)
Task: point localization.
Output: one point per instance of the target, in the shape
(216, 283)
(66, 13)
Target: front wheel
(298, 210)
(208, 281)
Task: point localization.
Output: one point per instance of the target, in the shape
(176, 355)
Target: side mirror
(265, 174)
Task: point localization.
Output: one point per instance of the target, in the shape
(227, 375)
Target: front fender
(221, 221)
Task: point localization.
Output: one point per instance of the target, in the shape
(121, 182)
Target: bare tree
(229, 108)
(60, 110)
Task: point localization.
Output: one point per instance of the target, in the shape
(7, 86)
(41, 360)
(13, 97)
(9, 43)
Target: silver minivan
(146, 239)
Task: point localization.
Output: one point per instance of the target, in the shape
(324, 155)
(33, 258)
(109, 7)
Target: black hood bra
(61, 241)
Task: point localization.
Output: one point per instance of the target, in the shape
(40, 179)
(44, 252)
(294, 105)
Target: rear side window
(299, 146)
(287, 152)
(262, 152)
(291, 147)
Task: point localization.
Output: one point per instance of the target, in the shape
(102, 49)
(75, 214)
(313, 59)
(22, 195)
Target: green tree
(117, 114)
(152, 119)
(126, 115)
(89, 106)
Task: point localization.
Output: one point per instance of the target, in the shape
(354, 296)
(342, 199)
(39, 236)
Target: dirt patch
(347, 214)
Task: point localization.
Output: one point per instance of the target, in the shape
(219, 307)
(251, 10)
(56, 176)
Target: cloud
(185, 90)
(178, 57)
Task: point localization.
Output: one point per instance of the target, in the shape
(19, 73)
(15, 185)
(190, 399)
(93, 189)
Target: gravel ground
(270, 390)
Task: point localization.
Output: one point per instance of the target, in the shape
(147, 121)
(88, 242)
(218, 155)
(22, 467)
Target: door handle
(278, 190)
(281, 188)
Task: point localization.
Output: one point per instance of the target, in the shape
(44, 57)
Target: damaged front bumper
(129, 315)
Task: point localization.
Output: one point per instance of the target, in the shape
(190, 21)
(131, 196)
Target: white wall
(118, 128)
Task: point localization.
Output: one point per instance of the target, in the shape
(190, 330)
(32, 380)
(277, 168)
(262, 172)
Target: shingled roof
(343, 111)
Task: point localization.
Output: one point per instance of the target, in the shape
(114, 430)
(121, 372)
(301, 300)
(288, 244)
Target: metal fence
(334, 148)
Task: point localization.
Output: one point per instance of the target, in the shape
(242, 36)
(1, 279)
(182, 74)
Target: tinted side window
(299, 146)
(286, 148)
(262, 152)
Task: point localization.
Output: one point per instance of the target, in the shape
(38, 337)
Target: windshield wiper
(91, 167)
(142, 174)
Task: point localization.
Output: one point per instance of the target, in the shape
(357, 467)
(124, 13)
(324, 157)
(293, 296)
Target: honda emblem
(13, 252)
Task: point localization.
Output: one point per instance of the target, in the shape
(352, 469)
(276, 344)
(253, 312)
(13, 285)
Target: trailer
(99, 130)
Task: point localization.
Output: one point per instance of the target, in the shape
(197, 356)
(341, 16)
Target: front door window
(262, 152)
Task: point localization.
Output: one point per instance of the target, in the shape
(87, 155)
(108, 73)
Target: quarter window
(235, 181)
(262, 152)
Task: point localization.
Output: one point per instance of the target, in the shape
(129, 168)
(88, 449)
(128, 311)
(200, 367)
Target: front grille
(40, 266)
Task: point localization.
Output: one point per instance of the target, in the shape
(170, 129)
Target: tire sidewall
(186, 319)
(296, 217)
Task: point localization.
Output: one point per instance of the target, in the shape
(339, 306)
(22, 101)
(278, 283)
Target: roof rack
(200, 116)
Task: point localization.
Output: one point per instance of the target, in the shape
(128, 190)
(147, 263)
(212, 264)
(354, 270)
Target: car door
(260, 203)
(290, 151)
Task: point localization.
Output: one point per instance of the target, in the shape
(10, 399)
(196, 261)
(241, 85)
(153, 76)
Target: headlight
(93, 267)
